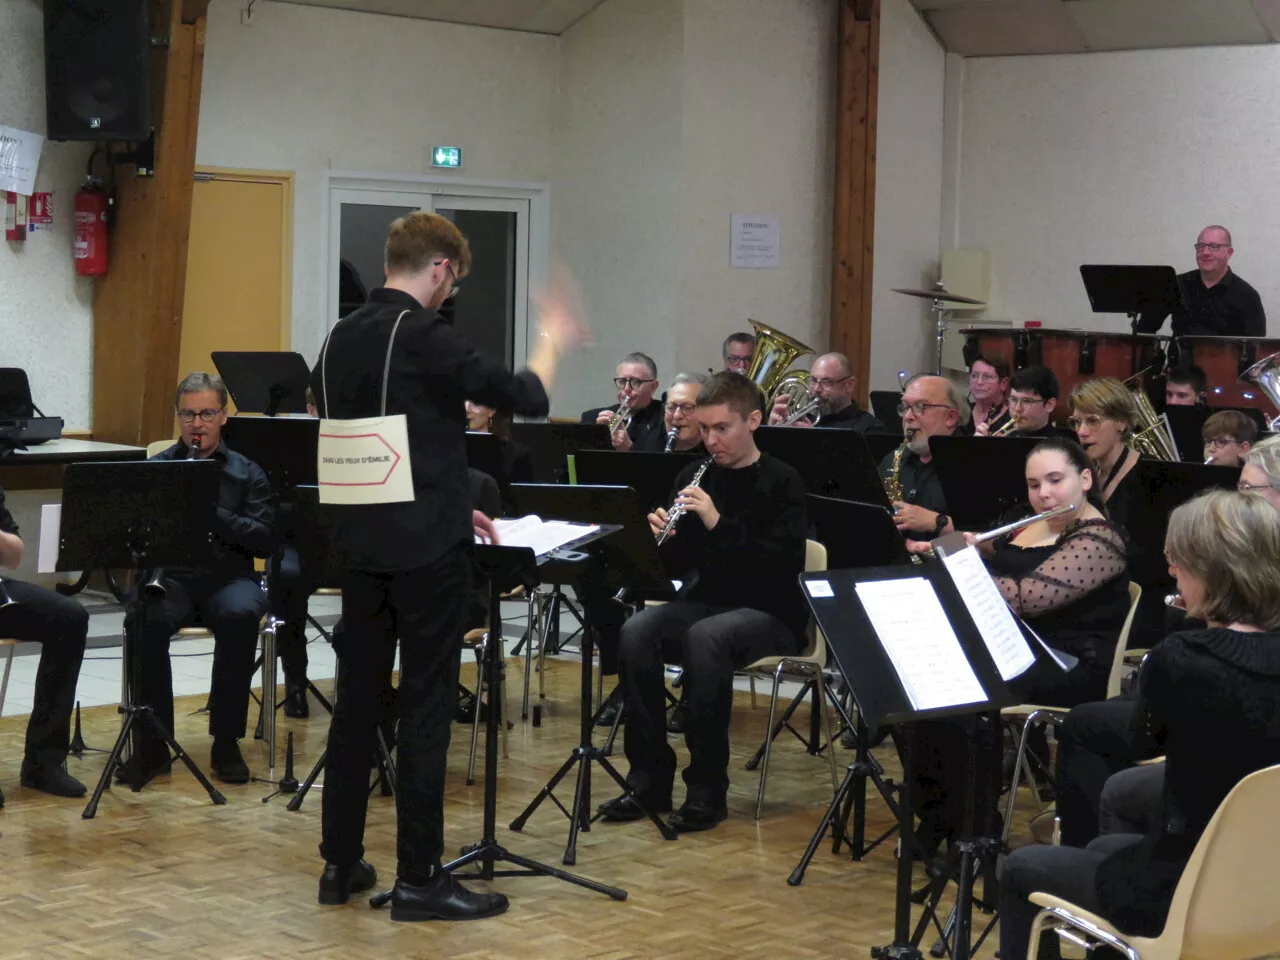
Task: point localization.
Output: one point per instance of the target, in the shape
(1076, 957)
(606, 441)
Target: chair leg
(1019, 761)
(821, 684)
(8, 665)
(475, 719)
(751, 683)
(543, 636)
(502, 702)
(533, 629)
(768, 738)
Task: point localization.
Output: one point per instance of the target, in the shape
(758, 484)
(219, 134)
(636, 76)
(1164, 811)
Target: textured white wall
(309, 89)
(46, 321)
(909, 152)
(1118, 158)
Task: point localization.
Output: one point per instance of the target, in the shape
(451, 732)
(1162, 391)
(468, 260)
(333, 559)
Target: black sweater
(1209, 700)
(755, 555)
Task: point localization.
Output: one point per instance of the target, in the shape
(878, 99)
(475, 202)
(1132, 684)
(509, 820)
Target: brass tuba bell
(1152, 434)
(1265, 375)
(774, 354)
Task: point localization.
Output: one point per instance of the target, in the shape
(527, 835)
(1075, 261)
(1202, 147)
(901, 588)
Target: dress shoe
(52, 779)
(675, 719)
(338, 883)
(443, 898)
(608, 713)
(228, 765)
(295, 699)
(626, 808)
(697, 814)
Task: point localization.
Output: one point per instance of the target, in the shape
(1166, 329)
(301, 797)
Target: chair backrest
(815, 560)
(1224, 906)
(1117, 661)
(158, 446)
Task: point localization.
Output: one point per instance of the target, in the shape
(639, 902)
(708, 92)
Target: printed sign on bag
(364, 461)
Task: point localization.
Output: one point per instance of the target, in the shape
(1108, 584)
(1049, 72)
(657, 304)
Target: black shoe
(52, 779)
(608, 713)
(228, 765)
(626, 809)
(338, 883)
(675, 719)
(698, 814)
(443, 898)
(295, 699)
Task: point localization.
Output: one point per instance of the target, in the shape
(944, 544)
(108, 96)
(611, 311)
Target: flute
(1019, 524)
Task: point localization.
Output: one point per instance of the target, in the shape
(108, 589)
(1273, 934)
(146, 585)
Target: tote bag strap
(386, 367)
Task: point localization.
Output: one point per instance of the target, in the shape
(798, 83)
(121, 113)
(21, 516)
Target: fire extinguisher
(90, 241)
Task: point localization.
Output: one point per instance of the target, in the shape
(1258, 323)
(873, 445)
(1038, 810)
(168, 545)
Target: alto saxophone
(893, 481)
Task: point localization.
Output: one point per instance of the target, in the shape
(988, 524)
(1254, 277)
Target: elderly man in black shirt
(226, 598)
(1218, 303)
(59, 624)
(636, 379)
(406, 565)
(832, 383)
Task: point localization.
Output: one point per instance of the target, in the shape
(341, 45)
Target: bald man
(1218, 303)
(831, 381)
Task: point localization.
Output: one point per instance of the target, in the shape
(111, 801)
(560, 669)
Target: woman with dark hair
(517, 467)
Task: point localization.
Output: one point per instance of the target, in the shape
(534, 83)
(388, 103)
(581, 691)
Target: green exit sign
(448, 157)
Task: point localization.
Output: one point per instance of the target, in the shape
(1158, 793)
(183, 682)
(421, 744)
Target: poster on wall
(19, 157)
(755, 241)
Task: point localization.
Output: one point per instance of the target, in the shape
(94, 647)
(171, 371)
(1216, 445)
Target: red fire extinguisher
(90, 242)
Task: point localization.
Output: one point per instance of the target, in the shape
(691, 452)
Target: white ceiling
(535, 16)
(986, 28)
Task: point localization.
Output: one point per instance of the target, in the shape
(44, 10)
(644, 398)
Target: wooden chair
(1026, 715)
(1224, 905)
(808, 665)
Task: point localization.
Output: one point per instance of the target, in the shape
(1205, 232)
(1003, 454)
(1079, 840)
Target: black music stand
(883, 444)
(121, 515)
(1132, 290)
(1169, 485)
(981, 477)
(551, 444)
(505, 568)
(884, 404)
(883, 697)
(651, 475)
(628, 557)
(263, 381)
(832, 463)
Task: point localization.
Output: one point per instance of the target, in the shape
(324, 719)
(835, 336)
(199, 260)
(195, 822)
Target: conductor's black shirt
(434, 371)
(1230, 308)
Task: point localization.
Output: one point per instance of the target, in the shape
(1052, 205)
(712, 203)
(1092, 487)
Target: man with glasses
(680, 413)
(931, 407)
(1218, 303)
(636, 379)
(737, 351)
(832, 383)
(225, 598)
(1033, 396)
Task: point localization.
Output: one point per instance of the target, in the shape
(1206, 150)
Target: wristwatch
(943, 520)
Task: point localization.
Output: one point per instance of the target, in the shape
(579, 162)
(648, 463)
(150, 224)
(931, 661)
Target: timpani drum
(1223, 359)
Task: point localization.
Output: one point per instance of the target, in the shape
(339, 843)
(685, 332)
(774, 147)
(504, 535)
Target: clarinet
(671, 439)
(154, 587)
(673, 516)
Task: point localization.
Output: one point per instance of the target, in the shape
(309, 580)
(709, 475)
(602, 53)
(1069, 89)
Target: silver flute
(1018, 525)
(677, 509)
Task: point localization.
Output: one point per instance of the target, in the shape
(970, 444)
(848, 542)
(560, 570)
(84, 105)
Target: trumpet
(812, 407)
(671, 439)
(1010, 426)
(621, 418)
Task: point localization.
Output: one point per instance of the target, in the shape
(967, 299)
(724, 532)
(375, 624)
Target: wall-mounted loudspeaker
(97, 69)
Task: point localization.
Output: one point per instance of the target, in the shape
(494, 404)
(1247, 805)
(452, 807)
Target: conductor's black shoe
(626, 808)
(228, 765)
(443, 898)
(338, 883)
(295, 699)
(52, 779)
(697, 814)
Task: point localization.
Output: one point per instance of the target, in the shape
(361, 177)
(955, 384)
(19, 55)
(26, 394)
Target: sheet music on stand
(541, 536)
(991, 614)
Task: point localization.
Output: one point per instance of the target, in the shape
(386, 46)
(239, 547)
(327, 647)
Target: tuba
(1152, 434)
(775, 352)
(1265, 375)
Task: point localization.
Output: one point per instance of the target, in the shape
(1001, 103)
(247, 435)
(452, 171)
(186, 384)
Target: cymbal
(940, 294)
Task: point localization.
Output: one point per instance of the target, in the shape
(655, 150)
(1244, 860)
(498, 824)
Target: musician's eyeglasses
(737, 363)
(635, 383)
(1025, 401)
(1092, 421)
(454, 286)
(206, 416)
(686, 408)
(919, 407)
(1211, 247)
(827, 381)
(1218, 442)
(983, 378)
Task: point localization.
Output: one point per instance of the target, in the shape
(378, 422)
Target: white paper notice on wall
(19, 158)
(755, 241)
(50, 536)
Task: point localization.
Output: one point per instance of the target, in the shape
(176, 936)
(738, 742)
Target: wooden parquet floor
(164, 873)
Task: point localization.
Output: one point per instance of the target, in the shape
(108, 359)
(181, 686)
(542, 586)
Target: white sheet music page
(1005, 642)
(542, 536)
(915, 632)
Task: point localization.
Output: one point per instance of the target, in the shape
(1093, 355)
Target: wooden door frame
(285, 180)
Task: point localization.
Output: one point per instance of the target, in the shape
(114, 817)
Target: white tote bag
(364, 461)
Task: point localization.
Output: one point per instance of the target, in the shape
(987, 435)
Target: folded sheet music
(542, 536)
(916, 634)
(986, 605)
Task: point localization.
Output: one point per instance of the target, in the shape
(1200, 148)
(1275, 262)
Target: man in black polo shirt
(59, 624)
(636, 379)
(407, 566)
(226, 598)
(831, 381)
(1218, 303)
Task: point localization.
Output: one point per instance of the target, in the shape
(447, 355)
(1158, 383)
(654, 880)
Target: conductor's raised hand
(484, 527)
(561, 318)
(658, 520)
